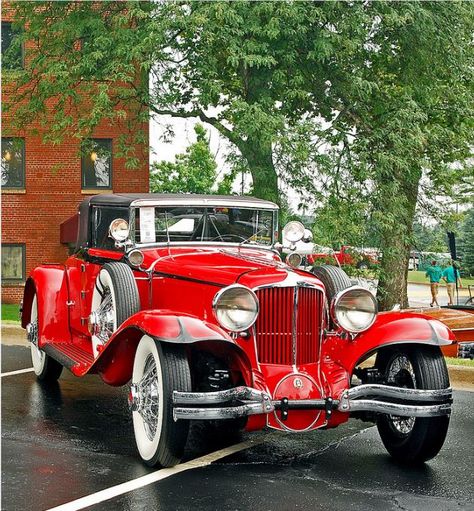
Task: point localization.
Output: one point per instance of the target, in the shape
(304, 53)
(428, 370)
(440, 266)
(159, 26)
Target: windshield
(188, 223)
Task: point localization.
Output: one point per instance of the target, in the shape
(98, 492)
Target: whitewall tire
(158, 369)
(45, 367)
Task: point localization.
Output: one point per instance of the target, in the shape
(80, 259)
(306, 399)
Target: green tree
(385, 86)
(430, 238)
(193, 171)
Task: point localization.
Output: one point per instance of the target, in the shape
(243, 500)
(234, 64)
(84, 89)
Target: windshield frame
(247, 243)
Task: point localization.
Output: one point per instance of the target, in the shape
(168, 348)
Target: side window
(13, 163)
(96, 165)
(102, 216)
(12, 50)
(13, 262)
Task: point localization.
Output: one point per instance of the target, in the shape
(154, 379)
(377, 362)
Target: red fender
(115, 362)
(389, 328)
(50, 284)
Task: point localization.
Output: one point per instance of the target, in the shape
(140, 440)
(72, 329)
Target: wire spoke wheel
(413, 440)
(400, 373)
(157, 371)
(149, 398)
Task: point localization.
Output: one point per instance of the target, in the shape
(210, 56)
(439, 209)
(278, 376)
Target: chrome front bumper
(240, 401)
(244, 401)
(403, 402)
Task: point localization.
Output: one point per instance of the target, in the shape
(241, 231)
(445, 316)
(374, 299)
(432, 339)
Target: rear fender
(115, 362)
(390, 328)
(49, 282)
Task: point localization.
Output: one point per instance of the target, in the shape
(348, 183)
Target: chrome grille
(288, 326)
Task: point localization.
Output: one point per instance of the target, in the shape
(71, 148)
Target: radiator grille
(286, 334)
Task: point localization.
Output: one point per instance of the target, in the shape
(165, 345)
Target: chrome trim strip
(368, 405)
(221, 396)
(189, 200)
(232, 412)
(399, 393)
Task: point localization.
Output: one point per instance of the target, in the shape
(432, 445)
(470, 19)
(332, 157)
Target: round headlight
(293, 260)
(354, 309)
(236, 308)
(293, 232)
(119, 229)
(135, 257)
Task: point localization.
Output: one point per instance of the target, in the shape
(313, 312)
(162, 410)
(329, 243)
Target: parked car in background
(361, 258)
(185, 299)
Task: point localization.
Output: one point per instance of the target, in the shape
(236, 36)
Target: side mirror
(119, 231)
(293, 232)
(307, 236)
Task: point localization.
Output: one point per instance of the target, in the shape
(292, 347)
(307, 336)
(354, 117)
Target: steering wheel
(229, 237)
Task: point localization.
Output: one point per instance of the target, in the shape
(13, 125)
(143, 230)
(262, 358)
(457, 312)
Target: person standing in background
(451, 276)
(434, 273)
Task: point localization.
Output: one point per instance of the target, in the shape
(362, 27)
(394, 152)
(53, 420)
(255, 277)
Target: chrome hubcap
(32, 332)
(401, 374)
(144, 397)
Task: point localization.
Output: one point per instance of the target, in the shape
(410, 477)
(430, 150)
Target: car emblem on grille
(298, 383)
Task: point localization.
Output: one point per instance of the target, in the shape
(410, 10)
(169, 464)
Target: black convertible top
(125, 200)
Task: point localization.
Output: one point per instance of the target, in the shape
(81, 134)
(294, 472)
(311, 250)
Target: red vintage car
(185, 298)
(350, 256)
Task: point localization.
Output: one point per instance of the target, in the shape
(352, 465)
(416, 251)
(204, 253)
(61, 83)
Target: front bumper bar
(404, 402)
(239, 401)
(245, 401)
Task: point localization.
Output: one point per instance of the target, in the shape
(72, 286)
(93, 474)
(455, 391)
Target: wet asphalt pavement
(75, 438)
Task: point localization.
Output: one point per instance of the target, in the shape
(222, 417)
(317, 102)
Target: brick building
(42, 186)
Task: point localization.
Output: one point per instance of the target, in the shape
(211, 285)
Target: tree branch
(204, 118)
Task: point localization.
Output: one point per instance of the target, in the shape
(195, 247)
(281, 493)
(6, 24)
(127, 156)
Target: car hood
(222, 266)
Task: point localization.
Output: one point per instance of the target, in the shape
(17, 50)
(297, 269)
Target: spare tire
(114, 299)
(334, 279)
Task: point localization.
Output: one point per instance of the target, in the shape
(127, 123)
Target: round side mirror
(308, 236)
(119, 229)
(293, 232)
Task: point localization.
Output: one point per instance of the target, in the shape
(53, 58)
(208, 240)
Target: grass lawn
(418, 277)
(459, 362)
(10, 312)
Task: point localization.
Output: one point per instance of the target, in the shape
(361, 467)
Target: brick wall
(53, 192)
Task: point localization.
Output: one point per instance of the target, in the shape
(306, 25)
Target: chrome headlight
(135, 257)
(354, 309)
(293, 260)
(236, 308)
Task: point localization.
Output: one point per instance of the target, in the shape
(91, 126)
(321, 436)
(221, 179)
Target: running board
(70, 356)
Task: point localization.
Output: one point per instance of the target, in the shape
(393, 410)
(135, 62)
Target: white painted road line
(140, 482)
(20, 371)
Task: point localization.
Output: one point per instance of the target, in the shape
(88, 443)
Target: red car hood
(223, 266)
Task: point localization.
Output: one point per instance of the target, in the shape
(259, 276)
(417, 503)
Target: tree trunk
(260, 161)
(396, 243)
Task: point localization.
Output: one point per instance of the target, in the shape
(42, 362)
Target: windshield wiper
(253, 235)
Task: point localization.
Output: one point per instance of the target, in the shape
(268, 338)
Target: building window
(97, 163)
(12, 51)
(13, 262)
(13, 163)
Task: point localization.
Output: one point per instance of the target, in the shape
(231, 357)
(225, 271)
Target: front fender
(115, 361)
(390, 328)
